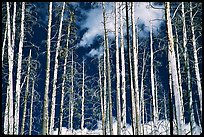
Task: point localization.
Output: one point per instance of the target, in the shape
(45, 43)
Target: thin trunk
(117, 72)
(142, 92)
(101, 96)
(4, 42)
(64, 77)
(108, 72)
(45, 109)
(135, 72)
(155, 115)
(82, 102)
(123, 90)
(131, 82)
(165, 115)
(105, 93)
(8, 119)
(31, 108)
(196, 67)
(173, 66)
(26, 96)
(18, 80)
(72, 93)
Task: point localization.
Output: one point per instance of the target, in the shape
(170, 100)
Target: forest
(103, 68)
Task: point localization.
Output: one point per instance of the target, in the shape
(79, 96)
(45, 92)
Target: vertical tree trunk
(26, 96)
(8, 118)
(4, 42)
(154, 99)
(101, 97)
(64, 77)
(131, 85)
(82, 102)
(45, 109)
(31, 108)
(117, 72)
(18, 80)
(104, 91)
(72, 94)
(198, 79)
(135, 71)
(173, 68)
(123, 86)
(142, 92)
(108, 72)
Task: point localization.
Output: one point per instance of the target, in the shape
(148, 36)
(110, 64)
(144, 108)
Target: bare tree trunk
(131, 85)
(198, 79)
(26, 96)
(101, 96)
(108, 72)
(72, 93)
(173, 68)
(64, 77)
(153, 85)
(123, 86)
(135, 66)
(31, 108)
(104, 119)
(45, 109)
(4, 42)
(117, 72)
(8, 118)
(82, 102)
(142, 92)
(18, 80)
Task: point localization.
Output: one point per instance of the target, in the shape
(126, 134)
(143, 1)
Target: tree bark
(117, 72)
(26, 95)
(31, 108)
(18, 80)
(45, 109)
(173, 68)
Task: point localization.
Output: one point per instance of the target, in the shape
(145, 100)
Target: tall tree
(18, 80)
(123, 86)
(135, 70)
(198, 79)
(64, 76)
(173, 68)
(26, 95)
(8, 118)
(82, 101)
(108, 71)
(45, 108)
(31, 107)
(117, 72)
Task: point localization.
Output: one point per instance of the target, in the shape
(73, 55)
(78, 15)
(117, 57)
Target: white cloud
(96, 52)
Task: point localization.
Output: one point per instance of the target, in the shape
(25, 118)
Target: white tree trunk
(154, 100)
(4, 42)
(173, 66)
(18, 80)
(82, 102)
(45, 109)
(142, 93)
(64, 76)
(108, 72)
(72, 94)
(117, 72)
(198, 79)
(135, 64)
(8, 118)
(123, 86)
(31, 108)
(26, 95)
(101, 96)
